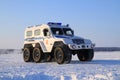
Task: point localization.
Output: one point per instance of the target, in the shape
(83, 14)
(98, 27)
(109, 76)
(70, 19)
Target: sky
(98, 20)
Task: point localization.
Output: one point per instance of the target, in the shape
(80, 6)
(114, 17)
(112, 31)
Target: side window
(37, 32)
(45, 32)
(29, 33)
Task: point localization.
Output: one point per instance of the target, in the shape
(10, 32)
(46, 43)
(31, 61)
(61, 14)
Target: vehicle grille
(78, 41)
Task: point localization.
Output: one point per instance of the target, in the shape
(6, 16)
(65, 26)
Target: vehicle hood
(69, 37)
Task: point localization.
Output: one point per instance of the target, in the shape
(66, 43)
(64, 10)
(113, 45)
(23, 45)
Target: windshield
(57, 31)
(68, 31)
(62, 31)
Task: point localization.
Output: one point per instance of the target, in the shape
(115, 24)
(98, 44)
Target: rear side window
(37, 32)
(29, 33)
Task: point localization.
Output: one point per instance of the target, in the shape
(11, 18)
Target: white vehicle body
(55, 41)
(47, 42)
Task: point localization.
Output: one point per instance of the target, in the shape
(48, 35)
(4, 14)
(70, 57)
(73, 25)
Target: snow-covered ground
(105, 66)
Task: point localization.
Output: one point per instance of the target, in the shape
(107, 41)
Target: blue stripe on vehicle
(61, 37)
(43, 46)
(32, 39)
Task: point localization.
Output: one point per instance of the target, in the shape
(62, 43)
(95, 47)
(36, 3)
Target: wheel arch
(58, 43)
(28, 46)
(38, 46)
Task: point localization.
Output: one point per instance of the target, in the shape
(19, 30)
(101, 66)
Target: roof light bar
(53, 23)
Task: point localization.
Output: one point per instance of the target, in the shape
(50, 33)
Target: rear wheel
(86, 55)
(27, 55)
(37, 55)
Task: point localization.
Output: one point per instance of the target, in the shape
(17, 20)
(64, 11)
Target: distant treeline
(7, 51)
(107, 48)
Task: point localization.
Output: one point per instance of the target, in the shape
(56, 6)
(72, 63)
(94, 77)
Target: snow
(105, 66)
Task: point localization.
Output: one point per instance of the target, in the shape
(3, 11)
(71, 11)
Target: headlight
(73, 46)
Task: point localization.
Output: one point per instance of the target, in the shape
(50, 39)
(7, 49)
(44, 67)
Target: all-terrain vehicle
(55, 41)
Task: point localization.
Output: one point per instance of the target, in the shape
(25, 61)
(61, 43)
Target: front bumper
(81, 46)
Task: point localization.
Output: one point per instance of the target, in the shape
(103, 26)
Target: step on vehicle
(54, 41)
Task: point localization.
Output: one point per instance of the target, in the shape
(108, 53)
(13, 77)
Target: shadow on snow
(101, 62)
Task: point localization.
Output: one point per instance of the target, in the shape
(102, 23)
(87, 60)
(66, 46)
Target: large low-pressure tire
(61, 56)
(68, 59)
(27, 55)
(91, 55)
(86, 55)
(37, 55)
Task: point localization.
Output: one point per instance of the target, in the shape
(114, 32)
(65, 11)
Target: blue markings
(53, 23)
(32, 39)
(61, 37)
(43, 46)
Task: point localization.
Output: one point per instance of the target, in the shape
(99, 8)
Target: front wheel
(86, 55)
(59, 55)
(62, 55)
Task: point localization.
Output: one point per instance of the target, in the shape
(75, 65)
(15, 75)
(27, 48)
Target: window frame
(29, 33)
(37, 32)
